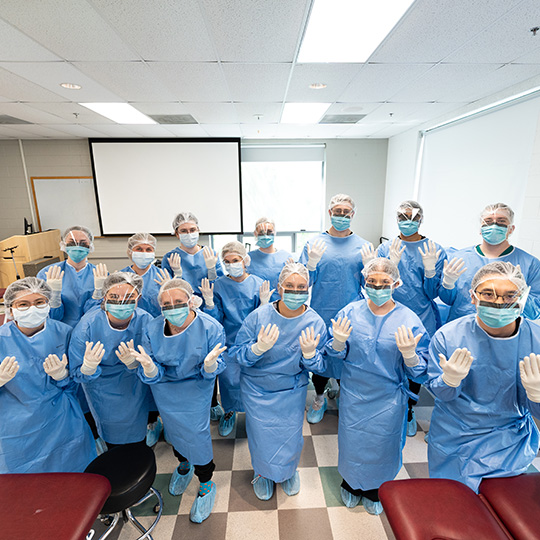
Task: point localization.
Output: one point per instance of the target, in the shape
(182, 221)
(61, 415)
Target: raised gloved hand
(8, 369)
(529, 369)
(308, 342)
(207, 290)
(210, 259)
(457, 368)
(54, 276)
(92, 357)
(406, 343)
(341, 329)
(315, 253)
(149, 367)
(265, 293)
(368, 253)
(266, 339)
(396, 250)
(210, 362)
(175, 262)
(163, 276)
(429, 258)
(100, 275)
(125, 355)
(56, 368)
(451, 272)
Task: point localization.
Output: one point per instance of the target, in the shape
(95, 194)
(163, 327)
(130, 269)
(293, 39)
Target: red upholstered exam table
(44, 506)
(439, 509)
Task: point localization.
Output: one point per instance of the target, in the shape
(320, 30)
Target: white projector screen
(141, 184)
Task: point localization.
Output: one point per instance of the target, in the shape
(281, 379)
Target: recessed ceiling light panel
(303, 113)
(121, 113)
(71, 86)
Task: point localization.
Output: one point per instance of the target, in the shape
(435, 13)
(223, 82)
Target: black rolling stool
(131, 470)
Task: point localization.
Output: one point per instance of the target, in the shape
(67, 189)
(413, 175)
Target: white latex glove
(207, 290)
(100, 275)
(54, 277)
(210, 259)
(125, 355)
(150, 369)
(266, 339)
(315, 253)
(163, 276)
(175, 262)
(265, 293)
(8, 369)
(210, 362)
(308, 342)
(529, 369)
(451, 272)
(429, 257)
(457, 368)
(341, 329)
(396, 250)
(406, 343)
(92, 357)
(56, 368)
(368, 253)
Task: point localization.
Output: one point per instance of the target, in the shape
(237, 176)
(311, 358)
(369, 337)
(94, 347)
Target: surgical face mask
(494, 234)
(120, 311)
(379, 296)
(408, 227)
(32, 317)
(235, 269)
(176, 316)
(77, 253)
(142, 260)
(265, 240)
(497, 317)
(295, 299)
(340, 223)
(190, 239)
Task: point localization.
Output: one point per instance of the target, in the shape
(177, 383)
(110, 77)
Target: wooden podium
(29, 248)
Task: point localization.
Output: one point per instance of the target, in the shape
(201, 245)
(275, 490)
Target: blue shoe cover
(101, 446)
(179, 482)
(226, 425)
(153, 431)
(216, 413)
(349, 500)
(202, 506)
(292, 485)
(426, 438)
(374, 508)
(263, 487)
(412, 427)
(313, 416)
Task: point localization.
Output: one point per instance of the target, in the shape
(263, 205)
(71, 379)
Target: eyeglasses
(490, 296)
(179, 305)
(405, 217)
(500, 222)
(78, 244)
(24, 305)
(341, 213)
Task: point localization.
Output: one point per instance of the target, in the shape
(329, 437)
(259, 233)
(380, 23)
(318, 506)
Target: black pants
(320, 383)
(214, 395)
(371, 494)
(414, 387)
(203, 472)
(152, 416)
(111, 445)
(92, 423)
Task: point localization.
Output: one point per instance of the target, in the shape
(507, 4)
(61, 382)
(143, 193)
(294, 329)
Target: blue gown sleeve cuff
(82, 378)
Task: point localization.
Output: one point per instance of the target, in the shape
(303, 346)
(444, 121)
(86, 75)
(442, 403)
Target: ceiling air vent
(342, 118)
(173, 118)
(6, 119)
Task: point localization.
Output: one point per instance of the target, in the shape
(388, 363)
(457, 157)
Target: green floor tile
(170, 503)
(331, 483)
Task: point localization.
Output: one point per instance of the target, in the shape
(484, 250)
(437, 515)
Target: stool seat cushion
(130, 469)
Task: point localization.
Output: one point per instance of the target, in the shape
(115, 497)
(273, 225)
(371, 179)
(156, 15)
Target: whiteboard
(62, 202)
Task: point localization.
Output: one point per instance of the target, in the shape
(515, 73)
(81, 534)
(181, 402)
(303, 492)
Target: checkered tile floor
(315, 513)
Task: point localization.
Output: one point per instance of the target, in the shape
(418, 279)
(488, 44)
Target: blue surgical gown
(417, 291)
(233, 302)
(182, 389)
(149, 298)
(459, 298)
(42, 428)
(119, 401)
(374, 393)
(274, 389)
(268, 267)
(483, 428)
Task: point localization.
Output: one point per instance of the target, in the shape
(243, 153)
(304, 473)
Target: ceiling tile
(17, 88)
(321, 131)
(17, 47)
(222, 130)
(30, 114)
(113, 130)
(151, 130)
(391, 130)
(251, 131)
(30, 131)
(532, 57)
(258, 113)
(71, 112)
(353, 108)
(160, 108)
(257, 82)
(189, 130)
(360, 130)
(212, 113)
(76, 130)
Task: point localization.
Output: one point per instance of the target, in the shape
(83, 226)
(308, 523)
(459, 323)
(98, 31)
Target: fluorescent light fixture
(121, 113)
(303, 113)
(348, 30)
(70, 86)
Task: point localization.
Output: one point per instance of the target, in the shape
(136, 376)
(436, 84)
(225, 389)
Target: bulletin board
(64, 201)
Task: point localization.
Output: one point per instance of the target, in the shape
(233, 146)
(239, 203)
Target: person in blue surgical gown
(277, 345)
(378, 344)
(180, 358)
(484, 372)
(43, 428)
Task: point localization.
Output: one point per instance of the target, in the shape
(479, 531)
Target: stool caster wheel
(156, 509)
(331, 394)
(107, 520)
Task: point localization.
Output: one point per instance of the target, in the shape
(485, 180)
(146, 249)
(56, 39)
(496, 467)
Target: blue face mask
(408, 227)
(234, 269)
(494, 234)
(265, 240)
(120, 311)
(189, 239)
(142, 260)
(77, 253)
(379, 296)
(176, 316)
(497, 317)
(294, 300)
(340, 223)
